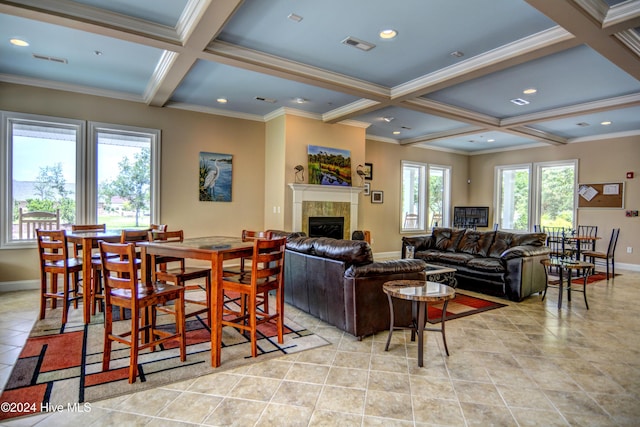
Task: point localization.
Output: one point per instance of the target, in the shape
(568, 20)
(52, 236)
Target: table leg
(422, 308)
(560, 269)
(391, 322)
(444, 337)
(217, 296)
(87, 290)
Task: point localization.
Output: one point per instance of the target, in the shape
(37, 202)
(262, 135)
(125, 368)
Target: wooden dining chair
(158, 227)
(181, 274)
(266, 275)
(609, 256)
(55, 259)
(123, 289)
(245, 275)
(97, 297)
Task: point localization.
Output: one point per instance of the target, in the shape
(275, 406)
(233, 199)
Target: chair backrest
(268, 259)
(555, 240)
(588, 230)
(89, 227)
(52, 247)
(28, 222)
(611, 250)
(165, 236)
(410, 220)
(248, 235)
(158, 227)
(132, 236)
(537, 228)
(119, 271)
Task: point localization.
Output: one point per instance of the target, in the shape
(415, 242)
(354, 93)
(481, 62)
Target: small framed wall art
(367, 188)
(368, 171)
(377, 196)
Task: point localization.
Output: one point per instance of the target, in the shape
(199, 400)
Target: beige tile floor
(527, 364)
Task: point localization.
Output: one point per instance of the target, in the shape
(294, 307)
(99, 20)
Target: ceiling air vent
(404, 127)
(49, 58)
(583, 124)
(359, 44)
(263, 99)
(520, 101)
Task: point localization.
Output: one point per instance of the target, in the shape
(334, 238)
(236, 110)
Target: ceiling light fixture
(388, 119)
(295, 18)
(222, 100)
(388, 34)
(299, 100)
(530, 91)
(519, 101)
(606, 123)
(97, 53)
(491, 140)
(396, 132)
(19, 42)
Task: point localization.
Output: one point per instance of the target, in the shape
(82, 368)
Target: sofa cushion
(476, 242)
(357, 252)
(486, 264)
(454, 258)
(502, 241)
(446, 239)
(302, 244)
(386, 267)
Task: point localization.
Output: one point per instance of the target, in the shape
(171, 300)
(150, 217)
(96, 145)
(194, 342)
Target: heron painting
(215, 177)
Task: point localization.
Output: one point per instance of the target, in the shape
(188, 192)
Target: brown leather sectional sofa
(339, 282)
(492, 262)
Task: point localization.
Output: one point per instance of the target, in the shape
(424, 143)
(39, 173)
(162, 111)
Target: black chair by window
(609, 255)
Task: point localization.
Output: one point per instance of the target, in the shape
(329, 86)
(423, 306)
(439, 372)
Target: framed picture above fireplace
(329, 166)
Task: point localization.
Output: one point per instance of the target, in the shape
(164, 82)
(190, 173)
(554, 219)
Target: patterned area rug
(64, 366)
(554, 280)
(460, 306)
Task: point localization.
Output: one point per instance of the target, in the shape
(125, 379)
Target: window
(539, 193)
(423, 207)
(439, 184)
(48, 166)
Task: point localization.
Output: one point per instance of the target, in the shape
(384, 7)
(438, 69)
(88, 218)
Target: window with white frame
(425, 196)
(535, 194)
(49, 165)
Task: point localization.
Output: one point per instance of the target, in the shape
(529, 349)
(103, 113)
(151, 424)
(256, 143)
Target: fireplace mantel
(324, 193)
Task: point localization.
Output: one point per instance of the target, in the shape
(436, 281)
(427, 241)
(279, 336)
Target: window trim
(422, 191)
(446, 198)
(86, 168)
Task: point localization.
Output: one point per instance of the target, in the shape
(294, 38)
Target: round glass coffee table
(420, 293)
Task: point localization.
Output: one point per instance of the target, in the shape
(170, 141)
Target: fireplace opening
(326, 226)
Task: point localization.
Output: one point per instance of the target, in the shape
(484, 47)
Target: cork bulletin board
(604, 195)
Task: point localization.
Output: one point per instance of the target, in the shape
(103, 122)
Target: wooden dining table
(215, 249)
(89, 240)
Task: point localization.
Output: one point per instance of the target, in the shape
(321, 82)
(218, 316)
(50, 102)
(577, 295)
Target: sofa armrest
(524, 251)
(381, 268)
(420, 243)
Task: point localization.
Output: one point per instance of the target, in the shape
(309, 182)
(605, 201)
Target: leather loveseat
(492, 262)
(339, 282)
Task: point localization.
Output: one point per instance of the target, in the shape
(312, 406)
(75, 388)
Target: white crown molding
(85, 90)
(238, 56)
(163, 67)
(517, 48)
(191, 15)
(436, 136)
(91, 14)
(356, 106)
(631, 39)
(282, 111)
(621, 13)
(614, 135)
(355, 123)
(382, 139)
(214, 111)
(596, 8)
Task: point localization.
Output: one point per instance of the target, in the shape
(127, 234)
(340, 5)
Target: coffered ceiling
(453, 78)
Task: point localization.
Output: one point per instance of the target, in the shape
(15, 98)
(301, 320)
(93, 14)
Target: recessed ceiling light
(388, 34)
(457, 54)
(294, 17)
(491, 140)
(388, 119)
(222, 100)
(19, 42)
(396, 132)
(605, 123)
(97, 53)
(299, 100)
(530, 91)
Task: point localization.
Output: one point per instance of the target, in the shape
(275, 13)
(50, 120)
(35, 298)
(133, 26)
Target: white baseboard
(21, 285)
